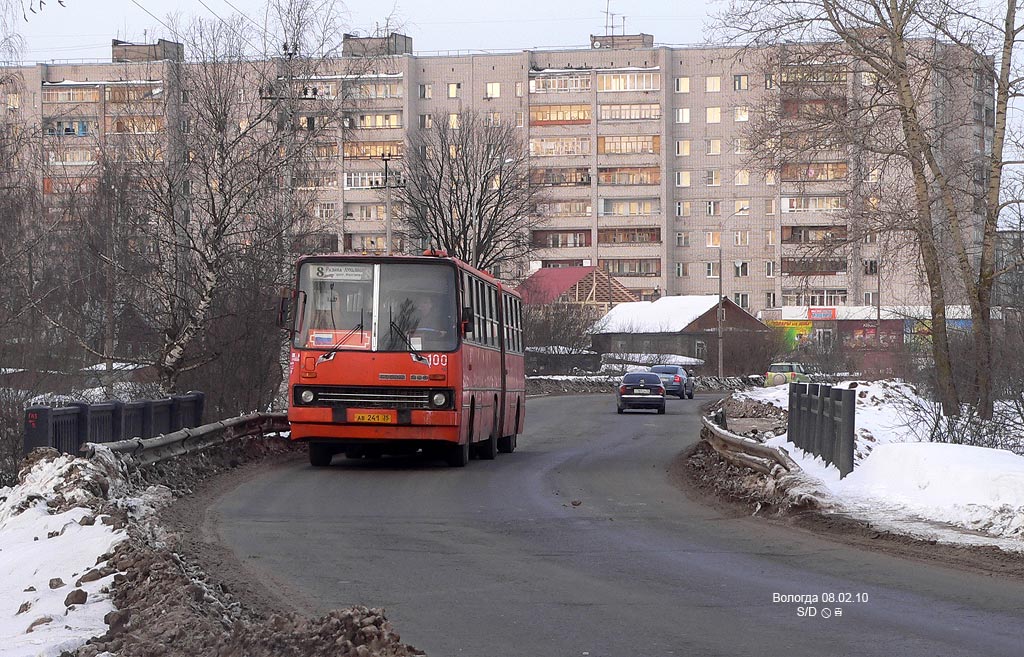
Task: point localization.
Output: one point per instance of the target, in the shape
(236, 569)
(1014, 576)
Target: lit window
(713, 146)
(682, 115)
(743, 113)
(740, 83)
(453, 89)
(683, 85)
(742, 207)
(714, 115)
(682, 178)
(453, 121)
(712, 84)
(713, 177)
(769, 269)
(682, 147)
(683, 208)
(712, 239)
(742, 177)
(492, 90)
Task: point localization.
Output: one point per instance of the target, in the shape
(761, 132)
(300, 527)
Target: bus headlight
(307, 396)
(439, 400)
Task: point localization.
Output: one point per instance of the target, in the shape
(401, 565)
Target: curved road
(494, 560)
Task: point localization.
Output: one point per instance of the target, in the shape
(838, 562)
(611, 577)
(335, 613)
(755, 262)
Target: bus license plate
(379, 417)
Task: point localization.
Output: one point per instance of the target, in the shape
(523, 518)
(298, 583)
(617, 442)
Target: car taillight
(676, 379)
(661, 390)
(622, 390)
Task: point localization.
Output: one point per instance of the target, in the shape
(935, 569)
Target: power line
(170, 29)
(230, 27)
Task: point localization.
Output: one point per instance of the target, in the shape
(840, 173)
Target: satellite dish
(597, 44)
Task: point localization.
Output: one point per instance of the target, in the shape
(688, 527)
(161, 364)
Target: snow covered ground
(47, 544)
(950, 493)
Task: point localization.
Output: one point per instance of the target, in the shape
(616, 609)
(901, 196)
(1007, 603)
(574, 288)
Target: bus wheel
(488, 449)
(507, 444)
(320, 455)
(458, 455)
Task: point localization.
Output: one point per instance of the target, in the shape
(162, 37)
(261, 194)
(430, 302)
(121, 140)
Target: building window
(769, 237)
(871, 299)
(426, 91)
(871, 238)
(551, 146)
(683, 208)
(769, 206)
(681, 270)
(713, 177)
(628, 112)
(682, 178)
(682, 115)
(713, 146)
(519, 89)
(713, 208)
(769, 268)
(629, 144)
(741, 238)
(714, 115)
(325, 210)
(712, 84)
(711, 269)
(520, 119)
(870, 267)
(683, 147)
(741, 207)
(742, 299)
(769, 80)
(492, 90)
(769, 300)
(453, 89)
(742, 114)
(683, 85)
(742, 177)
(628, 82)
(426, 121)
(492, 119)
(712, 239)
(700, 349)
(741, 146)
(770, 178)
(682, 239)
(740, 83)
(453, 121)
(740, 269)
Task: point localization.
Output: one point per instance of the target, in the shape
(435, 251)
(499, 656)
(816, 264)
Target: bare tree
(467, 190)
(565, 325)
(912, 61)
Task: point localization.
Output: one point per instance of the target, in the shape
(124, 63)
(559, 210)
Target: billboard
(796, 332)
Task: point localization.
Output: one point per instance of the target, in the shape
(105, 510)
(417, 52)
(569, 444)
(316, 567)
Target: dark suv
(675, 379)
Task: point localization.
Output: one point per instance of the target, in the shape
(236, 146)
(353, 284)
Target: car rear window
(642, 378)
(780, 368)
(665, 369)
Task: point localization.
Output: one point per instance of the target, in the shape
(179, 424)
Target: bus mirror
(284, 311)
(467, 320)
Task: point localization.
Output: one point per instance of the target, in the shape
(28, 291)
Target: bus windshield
(384, 306)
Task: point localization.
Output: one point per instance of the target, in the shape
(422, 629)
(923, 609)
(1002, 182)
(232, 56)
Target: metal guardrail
(821, 422)
(745, 452)
(186, 441)
(67, 428)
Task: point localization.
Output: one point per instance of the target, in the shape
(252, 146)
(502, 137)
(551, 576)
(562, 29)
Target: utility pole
(386, 156)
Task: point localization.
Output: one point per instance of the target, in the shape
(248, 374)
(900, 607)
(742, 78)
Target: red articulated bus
(395, 354)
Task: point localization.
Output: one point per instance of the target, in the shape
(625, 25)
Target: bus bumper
(317, 423)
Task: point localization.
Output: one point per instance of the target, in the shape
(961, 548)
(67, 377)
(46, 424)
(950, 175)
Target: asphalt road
(494, 560)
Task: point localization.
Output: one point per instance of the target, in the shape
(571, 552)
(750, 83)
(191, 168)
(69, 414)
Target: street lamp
(721, 275)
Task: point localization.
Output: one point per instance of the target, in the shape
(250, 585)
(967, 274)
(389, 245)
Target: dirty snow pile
(901, 482)
(54, 593)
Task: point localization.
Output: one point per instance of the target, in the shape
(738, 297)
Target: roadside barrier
(67, 428)
(821, 422)
(186, 441)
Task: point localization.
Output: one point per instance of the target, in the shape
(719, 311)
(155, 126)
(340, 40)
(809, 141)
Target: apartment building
(643, 151)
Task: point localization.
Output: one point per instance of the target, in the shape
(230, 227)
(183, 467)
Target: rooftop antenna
(607, 15)
(623, 26)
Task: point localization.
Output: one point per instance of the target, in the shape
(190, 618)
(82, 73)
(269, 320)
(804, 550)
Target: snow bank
(902, 482)
(43, 553)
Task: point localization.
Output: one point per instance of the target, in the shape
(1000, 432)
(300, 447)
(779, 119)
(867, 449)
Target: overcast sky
(83, 28)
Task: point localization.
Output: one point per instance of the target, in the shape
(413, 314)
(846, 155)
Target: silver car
(677, 381)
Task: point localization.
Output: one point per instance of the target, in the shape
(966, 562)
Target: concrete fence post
(846, 442)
